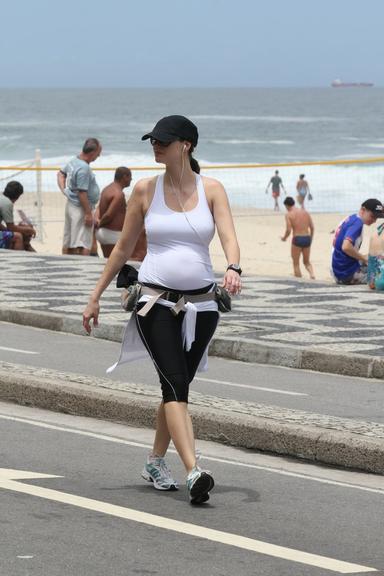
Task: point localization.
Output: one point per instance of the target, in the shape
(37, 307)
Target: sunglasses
(160, 143)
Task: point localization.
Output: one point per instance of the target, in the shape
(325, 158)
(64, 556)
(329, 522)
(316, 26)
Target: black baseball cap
(171, 128)
(374, 206)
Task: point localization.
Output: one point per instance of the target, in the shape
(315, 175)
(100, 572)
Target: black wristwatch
(235, 268)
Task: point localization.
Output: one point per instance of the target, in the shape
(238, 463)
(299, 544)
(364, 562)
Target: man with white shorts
(110, 215)
(78, 183)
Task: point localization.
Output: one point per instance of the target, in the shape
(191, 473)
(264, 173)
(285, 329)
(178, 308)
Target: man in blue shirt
(78, 183)
(348, 265)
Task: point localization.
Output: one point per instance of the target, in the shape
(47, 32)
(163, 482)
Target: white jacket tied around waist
(177, 258)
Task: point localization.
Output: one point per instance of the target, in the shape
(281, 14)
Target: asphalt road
(267, 515)
(343, 396)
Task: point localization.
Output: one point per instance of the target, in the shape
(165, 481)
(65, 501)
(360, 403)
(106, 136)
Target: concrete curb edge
(339, 448)
(319, 360)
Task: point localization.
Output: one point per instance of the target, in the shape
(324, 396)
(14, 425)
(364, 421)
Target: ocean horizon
(236, 125)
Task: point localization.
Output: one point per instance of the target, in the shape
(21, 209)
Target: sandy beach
(259, 232)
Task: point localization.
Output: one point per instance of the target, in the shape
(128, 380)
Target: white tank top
(178, 243)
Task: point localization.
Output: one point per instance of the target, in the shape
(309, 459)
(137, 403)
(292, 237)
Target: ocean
(236, 125)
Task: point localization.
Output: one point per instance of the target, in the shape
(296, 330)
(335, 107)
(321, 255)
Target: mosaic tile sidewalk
(270, 310)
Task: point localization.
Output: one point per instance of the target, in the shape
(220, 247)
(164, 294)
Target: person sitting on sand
(110, 214)
(349, 266)
(13, 236)
(300, 223)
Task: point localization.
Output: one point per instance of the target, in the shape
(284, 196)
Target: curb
(245, 350)
(130, 404)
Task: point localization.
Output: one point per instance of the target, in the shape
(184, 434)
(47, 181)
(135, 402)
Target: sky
(182, 43)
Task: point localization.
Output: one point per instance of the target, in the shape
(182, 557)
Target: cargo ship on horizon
(339, 84)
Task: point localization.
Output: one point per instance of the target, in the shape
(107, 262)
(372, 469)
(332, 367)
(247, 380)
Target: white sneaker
(157, 472)
(199, 484)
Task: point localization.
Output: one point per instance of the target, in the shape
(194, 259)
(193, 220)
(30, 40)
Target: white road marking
(26, 557)
(9, 480)
(236, 385)
(18, 350)
(117, 440)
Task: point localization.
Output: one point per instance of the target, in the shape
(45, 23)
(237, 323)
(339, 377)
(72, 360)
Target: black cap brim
(161, 136)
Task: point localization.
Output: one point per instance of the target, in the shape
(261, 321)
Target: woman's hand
(91, 311)
(232, 282)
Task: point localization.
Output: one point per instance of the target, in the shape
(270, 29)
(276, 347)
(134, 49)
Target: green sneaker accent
(157, 472)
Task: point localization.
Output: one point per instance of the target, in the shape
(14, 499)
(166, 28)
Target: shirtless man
(299, 222)
(110, 215)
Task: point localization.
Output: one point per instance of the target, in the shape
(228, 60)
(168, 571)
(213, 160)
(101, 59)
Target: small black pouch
(223, 299)
(130, 297)
(127, 276)
(127, 279)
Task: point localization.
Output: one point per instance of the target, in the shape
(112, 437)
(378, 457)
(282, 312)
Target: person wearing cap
(349, 266)
(177, 310)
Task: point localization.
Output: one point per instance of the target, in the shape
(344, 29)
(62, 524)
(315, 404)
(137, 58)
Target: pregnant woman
(177, 312)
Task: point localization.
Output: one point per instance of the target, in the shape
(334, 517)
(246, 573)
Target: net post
(39, 197)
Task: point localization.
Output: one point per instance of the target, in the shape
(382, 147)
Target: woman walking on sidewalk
(177, 311)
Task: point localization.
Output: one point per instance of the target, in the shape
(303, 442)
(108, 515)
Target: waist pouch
(223, 299)
(131, 295)
(127, 276)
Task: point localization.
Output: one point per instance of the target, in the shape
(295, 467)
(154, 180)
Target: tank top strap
(159, 189)
(158, 195)
(203, 202)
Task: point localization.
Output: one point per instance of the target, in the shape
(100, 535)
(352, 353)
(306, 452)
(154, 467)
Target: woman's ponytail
(193, 162)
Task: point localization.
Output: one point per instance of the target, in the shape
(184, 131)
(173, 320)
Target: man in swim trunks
(110, 215)
(349, 266)
(302, 188)
(276, 182)
(300, 223)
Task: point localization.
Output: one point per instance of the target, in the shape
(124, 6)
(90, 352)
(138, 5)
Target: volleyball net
(336, 185)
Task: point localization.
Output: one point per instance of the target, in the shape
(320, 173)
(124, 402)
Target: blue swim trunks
(5, 238)
(302, 241)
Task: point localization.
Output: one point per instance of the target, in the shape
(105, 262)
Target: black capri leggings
(160, 332)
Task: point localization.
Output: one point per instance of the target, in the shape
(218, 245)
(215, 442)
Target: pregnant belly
(181, 272)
